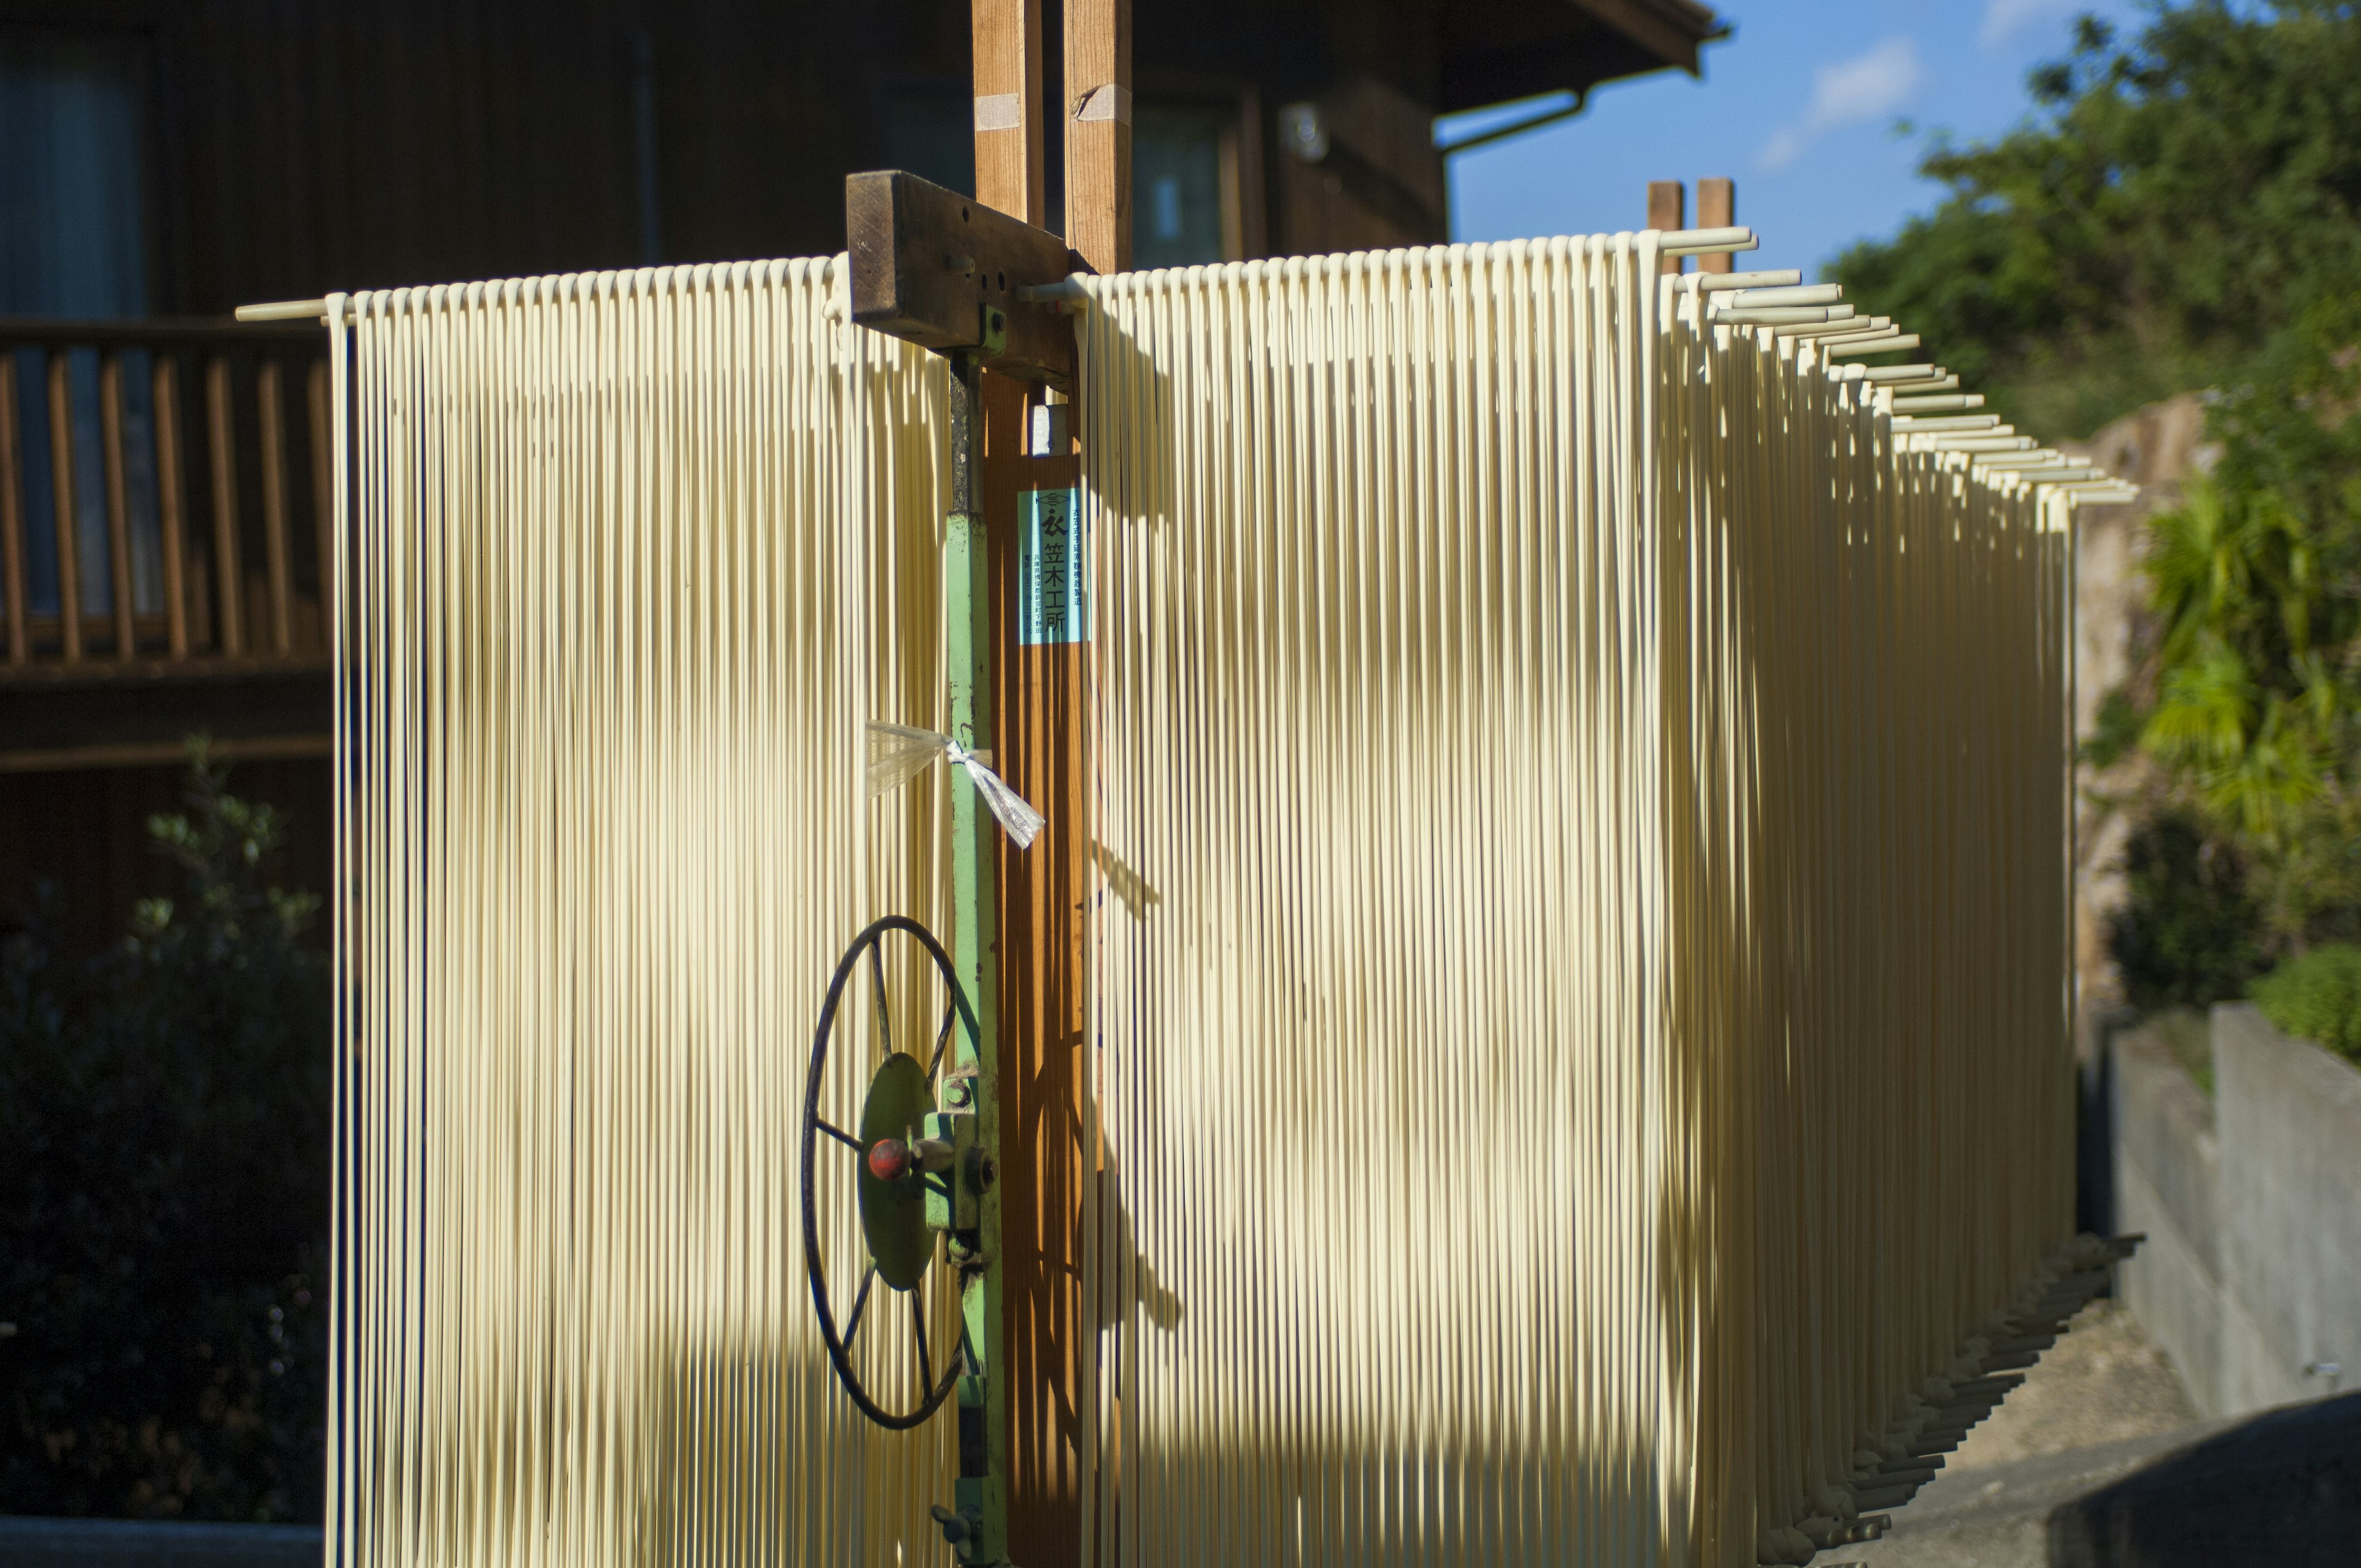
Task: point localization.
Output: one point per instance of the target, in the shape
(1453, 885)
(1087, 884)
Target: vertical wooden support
(1098, 132)
(171, 506)
(1044, 752)
(1667, 209)
(61, 493)
(1032, 496)
(12, 518)
(271, 408)
(118, 506)
(229, 580)
(1009, 169)
(1717, 209)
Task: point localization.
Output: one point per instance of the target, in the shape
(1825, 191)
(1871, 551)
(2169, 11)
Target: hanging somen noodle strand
(1580, 1030)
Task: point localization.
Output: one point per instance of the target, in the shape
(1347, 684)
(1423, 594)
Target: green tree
(2171, 205)
(2255, 580)
(163, 1207)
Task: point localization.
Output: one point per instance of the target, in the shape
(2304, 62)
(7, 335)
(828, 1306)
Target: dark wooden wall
(300, 147)
(85, 833)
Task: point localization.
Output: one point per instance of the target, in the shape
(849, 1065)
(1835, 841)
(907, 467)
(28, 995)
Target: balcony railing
(165, 516)
(163, 491)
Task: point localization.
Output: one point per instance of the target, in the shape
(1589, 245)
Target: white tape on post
(1107, 103)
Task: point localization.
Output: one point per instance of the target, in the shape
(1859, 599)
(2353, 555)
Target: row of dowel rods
(230, 633)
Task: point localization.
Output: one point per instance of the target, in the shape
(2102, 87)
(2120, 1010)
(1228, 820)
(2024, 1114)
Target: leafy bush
(2174, 203)
(2187, 935)
(2317, 996)
(163, 1206)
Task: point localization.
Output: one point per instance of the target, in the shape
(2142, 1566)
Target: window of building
(1183, 174)
(72, 232)
(73, 245)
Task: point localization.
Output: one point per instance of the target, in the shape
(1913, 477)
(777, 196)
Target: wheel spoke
(942, 1039)
(852, 1323)
(925, 1357)
(877, 984)
(839, 1134)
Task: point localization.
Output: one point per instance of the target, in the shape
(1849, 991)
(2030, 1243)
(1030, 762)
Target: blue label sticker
(1053, 568)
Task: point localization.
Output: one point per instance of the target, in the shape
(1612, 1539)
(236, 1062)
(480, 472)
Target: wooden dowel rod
(118, 509)
(284, 311)
(271, 409)
(171, 506)
(324, 500)
(62, 495)
(12, 518)
(229, 585)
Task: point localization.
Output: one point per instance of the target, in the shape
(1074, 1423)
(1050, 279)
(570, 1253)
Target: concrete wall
(2290, 1112)
(2252, 1270)
(2168, 1184)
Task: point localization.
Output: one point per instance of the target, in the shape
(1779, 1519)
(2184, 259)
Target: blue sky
(1798, 106)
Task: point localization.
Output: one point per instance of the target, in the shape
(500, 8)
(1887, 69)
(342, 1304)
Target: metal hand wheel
(914, 1163)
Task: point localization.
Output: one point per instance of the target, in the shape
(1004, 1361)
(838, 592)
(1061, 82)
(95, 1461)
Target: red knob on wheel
(890, 1159)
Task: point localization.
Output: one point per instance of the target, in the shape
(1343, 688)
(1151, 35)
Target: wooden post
(1009, 169)
(1667, 209)
(1028, 501)
(1098, 132)
(1009, 161)
(1717, 209)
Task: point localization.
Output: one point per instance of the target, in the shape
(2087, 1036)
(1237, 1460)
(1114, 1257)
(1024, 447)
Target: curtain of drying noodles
(633, 557)
(1585, 1036)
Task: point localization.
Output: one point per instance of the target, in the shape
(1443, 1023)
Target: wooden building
(162, 474)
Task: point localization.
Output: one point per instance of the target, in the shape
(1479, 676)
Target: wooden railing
(164, 496)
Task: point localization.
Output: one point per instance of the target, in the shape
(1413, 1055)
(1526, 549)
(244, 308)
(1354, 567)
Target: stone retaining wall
(2251, 1276)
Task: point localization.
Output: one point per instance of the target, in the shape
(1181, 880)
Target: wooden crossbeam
(939, 269)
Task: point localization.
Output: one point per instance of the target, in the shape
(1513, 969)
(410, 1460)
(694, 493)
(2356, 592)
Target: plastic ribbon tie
(898, 752)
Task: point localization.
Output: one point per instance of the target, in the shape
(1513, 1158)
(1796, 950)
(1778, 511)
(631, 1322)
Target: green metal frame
(982, 1501)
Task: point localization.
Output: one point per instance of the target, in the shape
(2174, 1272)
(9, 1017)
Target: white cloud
(2004, 18)
(1849, 92)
